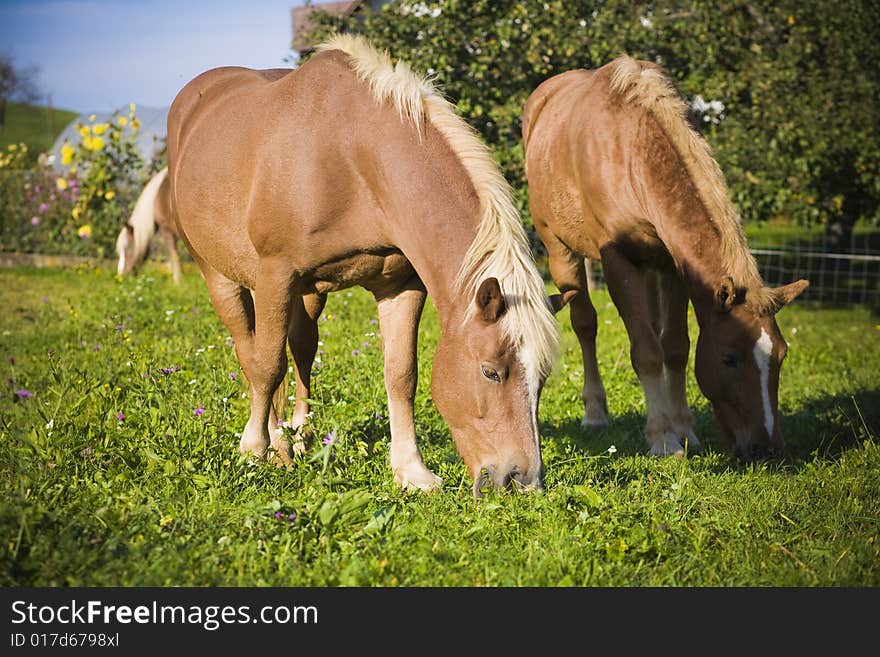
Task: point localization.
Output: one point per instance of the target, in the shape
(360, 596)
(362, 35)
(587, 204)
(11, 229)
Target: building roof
(302, 22)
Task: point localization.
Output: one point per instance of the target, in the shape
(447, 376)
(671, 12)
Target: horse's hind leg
(636, 295)
(399, 321)
(303, 340)
(676, 346)
(569, 273)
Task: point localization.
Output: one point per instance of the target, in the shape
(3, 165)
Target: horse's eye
(730, 360)
(490, 374)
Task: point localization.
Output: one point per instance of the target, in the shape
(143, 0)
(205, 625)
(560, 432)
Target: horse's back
(580, 152)
(265, 163)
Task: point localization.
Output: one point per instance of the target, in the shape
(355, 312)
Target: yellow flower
(100, 128)
(93, 143)
(85, 231)
(135, 124)
(75, 213)
(92, 118)
(72, 171)
(61, 183)
(66, 154)
(122, 121)
(84, 131)
(109, 194)
(132, 107)
(12, 147)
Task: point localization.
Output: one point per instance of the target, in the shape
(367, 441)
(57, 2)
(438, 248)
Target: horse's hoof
(594, 423)
(667, 446)
(425, 481)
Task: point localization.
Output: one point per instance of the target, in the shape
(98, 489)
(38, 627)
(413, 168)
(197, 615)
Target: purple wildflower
(356, 352)
(232, 375)
(43, 207)
(365, 344)
(292, 517)
(199, 411)
(329, 439)
(24, 393)
(44, 299)
(170, 370)
(120, 416)
(35, 221)
(278, 515)
(373, 321)
(120, 327)
(97, 347)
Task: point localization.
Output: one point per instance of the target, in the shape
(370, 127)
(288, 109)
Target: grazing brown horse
(152, 213)
(615, 172)
(350, 170)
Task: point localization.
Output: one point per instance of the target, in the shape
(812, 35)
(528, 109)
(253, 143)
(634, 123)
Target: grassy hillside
(35, 125)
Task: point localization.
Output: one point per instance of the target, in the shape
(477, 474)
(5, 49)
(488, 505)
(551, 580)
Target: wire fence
(838, 275)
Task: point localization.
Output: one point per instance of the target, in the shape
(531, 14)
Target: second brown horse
(616, 173)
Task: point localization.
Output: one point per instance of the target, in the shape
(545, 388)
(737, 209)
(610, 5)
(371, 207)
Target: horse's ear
(490, 301)
(785, 294)
(725, 294)
(559, 301)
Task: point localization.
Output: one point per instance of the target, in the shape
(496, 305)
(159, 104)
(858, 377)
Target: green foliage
(797, 135)
(120, 467)
(76, 208)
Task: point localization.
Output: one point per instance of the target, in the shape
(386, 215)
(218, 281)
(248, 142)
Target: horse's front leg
(267, 363)
(676, 348)
(173, 257)
(635, 293)
(399, 315)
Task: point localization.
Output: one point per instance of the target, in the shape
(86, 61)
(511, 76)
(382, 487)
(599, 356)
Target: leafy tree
(15, 84)
(794, 83)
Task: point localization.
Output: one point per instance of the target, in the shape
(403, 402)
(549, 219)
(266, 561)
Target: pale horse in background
(151, 213)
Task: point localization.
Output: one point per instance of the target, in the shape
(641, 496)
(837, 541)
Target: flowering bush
(77, 205)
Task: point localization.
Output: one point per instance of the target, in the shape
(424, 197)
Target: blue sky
(99, 55)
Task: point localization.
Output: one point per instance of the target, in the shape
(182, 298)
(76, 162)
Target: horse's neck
(435, 217)
(693, 241)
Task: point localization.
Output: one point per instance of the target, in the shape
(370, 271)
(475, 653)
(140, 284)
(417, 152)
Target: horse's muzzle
(493, 478)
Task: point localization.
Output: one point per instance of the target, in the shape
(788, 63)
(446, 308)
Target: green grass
(35, 125)
(162, 498)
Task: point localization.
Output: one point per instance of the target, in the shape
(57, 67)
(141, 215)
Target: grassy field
(119, 462)
(34, 125)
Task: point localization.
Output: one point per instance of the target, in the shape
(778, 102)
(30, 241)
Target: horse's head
(487, 390)
(740, 351)
(125, 250)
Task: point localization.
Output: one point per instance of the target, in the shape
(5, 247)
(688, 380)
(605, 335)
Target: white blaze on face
(533, 383)
(762, 350)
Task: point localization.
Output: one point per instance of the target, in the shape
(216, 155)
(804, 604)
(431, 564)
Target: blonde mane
(501, 247)
(650, 88)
